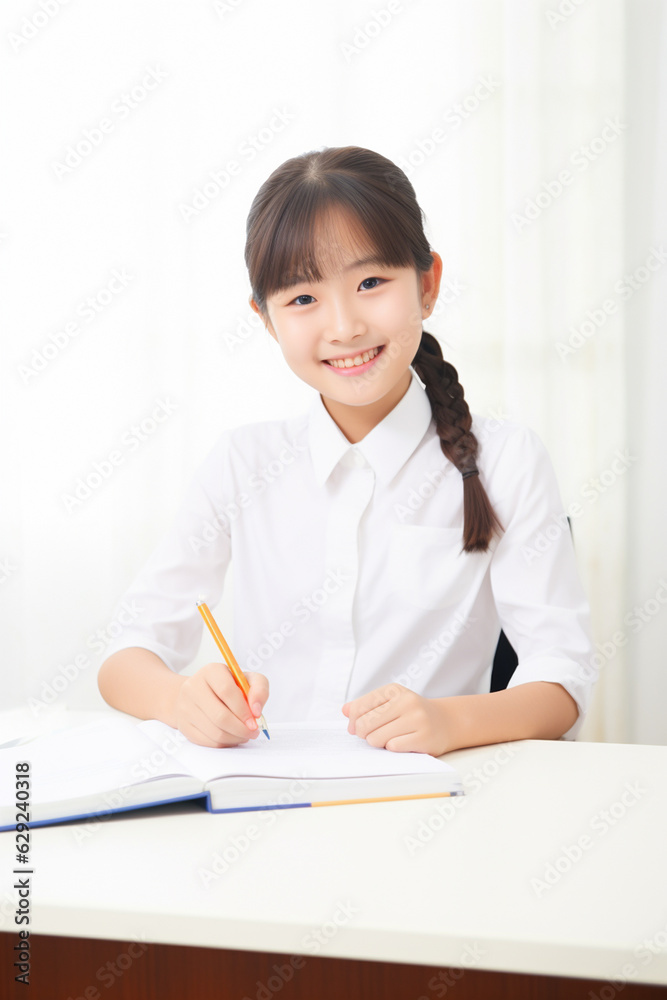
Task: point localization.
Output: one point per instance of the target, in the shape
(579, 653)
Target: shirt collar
(386, 448)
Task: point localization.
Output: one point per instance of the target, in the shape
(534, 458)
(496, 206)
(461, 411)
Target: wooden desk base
(64, 968)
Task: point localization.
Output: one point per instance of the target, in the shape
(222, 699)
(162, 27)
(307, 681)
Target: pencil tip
(266, 733)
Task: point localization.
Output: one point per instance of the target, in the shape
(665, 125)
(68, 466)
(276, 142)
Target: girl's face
(359, 307)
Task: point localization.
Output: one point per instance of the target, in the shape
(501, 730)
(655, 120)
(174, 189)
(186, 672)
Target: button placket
(342, 567)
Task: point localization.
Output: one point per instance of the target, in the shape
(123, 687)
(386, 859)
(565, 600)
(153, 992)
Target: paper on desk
(295, 750)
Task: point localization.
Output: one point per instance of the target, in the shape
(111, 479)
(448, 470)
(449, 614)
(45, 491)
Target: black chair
(505, 659)
(504, 663)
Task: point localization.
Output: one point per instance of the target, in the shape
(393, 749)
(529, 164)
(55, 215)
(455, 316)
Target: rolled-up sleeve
(190, 560)
(541, 603)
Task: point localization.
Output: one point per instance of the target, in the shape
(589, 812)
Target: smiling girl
(379, 547)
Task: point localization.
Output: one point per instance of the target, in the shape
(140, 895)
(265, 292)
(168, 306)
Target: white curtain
(646, 368)
(135, 140)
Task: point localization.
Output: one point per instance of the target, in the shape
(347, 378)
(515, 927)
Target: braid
(453, 422)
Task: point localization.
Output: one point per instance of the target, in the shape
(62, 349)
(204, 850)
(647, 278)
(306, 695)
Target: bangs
(321, 230)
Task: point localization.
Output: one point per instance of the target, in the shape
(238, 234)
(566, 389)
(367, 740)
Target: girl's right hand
(211, 710)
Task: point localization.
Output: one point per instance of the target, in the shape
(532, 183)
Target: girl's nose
(345, 320)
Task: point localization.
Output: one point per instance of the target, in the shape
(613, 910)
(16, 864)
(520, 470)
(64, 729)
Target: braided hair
(453, 422)
(279, 244)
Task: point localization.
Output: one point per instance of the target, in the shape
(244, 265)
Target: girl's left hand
(396, 718)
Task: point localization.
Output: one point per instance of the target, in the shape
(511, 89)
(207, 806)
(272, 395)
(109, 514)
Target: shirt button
(358, 458)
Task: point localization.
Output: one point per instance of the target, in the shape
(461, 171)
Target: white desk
(465, 898)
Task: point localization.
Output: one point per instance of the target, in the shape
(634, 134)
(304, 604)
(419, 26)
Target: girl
(380, 540)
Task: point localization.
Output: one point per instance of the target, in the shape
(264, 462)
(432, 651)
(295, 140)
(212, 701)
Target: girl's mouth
(354, 366)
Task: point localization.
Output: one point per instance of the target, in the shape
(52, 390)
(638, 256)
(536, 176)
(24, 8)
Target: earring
(427, 307)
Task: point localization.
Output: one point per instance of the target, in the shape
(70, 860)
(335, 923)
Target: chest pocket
(428, 568)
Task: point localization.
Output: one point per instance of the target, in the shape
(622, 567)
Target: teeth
(360, 359)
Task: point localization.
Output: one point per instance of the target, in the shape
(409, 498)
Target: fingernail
(257, 708)
(251, 724)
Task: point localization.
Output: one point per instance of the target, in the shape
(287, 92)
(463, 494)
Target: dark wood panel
(65, 968)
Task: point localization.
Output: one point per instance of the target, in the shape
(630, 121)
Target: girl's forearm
(538, 710)
(138, 682)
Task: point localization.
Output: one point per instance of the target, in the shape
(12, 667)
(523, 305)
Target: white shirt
(348, 570)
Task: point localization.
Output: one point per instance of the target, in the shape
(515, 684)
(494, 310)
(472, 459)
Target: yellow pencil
(228, 657)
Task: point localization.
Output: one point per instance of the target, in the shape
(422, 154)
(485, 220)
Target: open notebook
(116, 764)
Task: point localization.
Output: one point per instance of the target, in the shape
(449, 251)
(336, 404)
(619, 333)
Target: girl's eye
(306, 296)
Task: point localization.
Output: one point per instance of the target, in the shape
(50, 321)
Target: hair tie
(472, 472)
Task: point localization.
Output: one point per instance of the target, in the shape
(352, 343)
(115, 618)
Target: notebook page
(296, 750)
(83, 760)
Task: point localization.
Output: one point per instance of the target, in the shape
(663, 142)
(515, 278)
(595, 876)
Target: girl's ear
(265, 320)
(430, 280)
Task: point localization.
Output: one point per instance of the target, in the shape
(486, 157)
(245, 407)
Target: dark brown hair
(371, 190)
